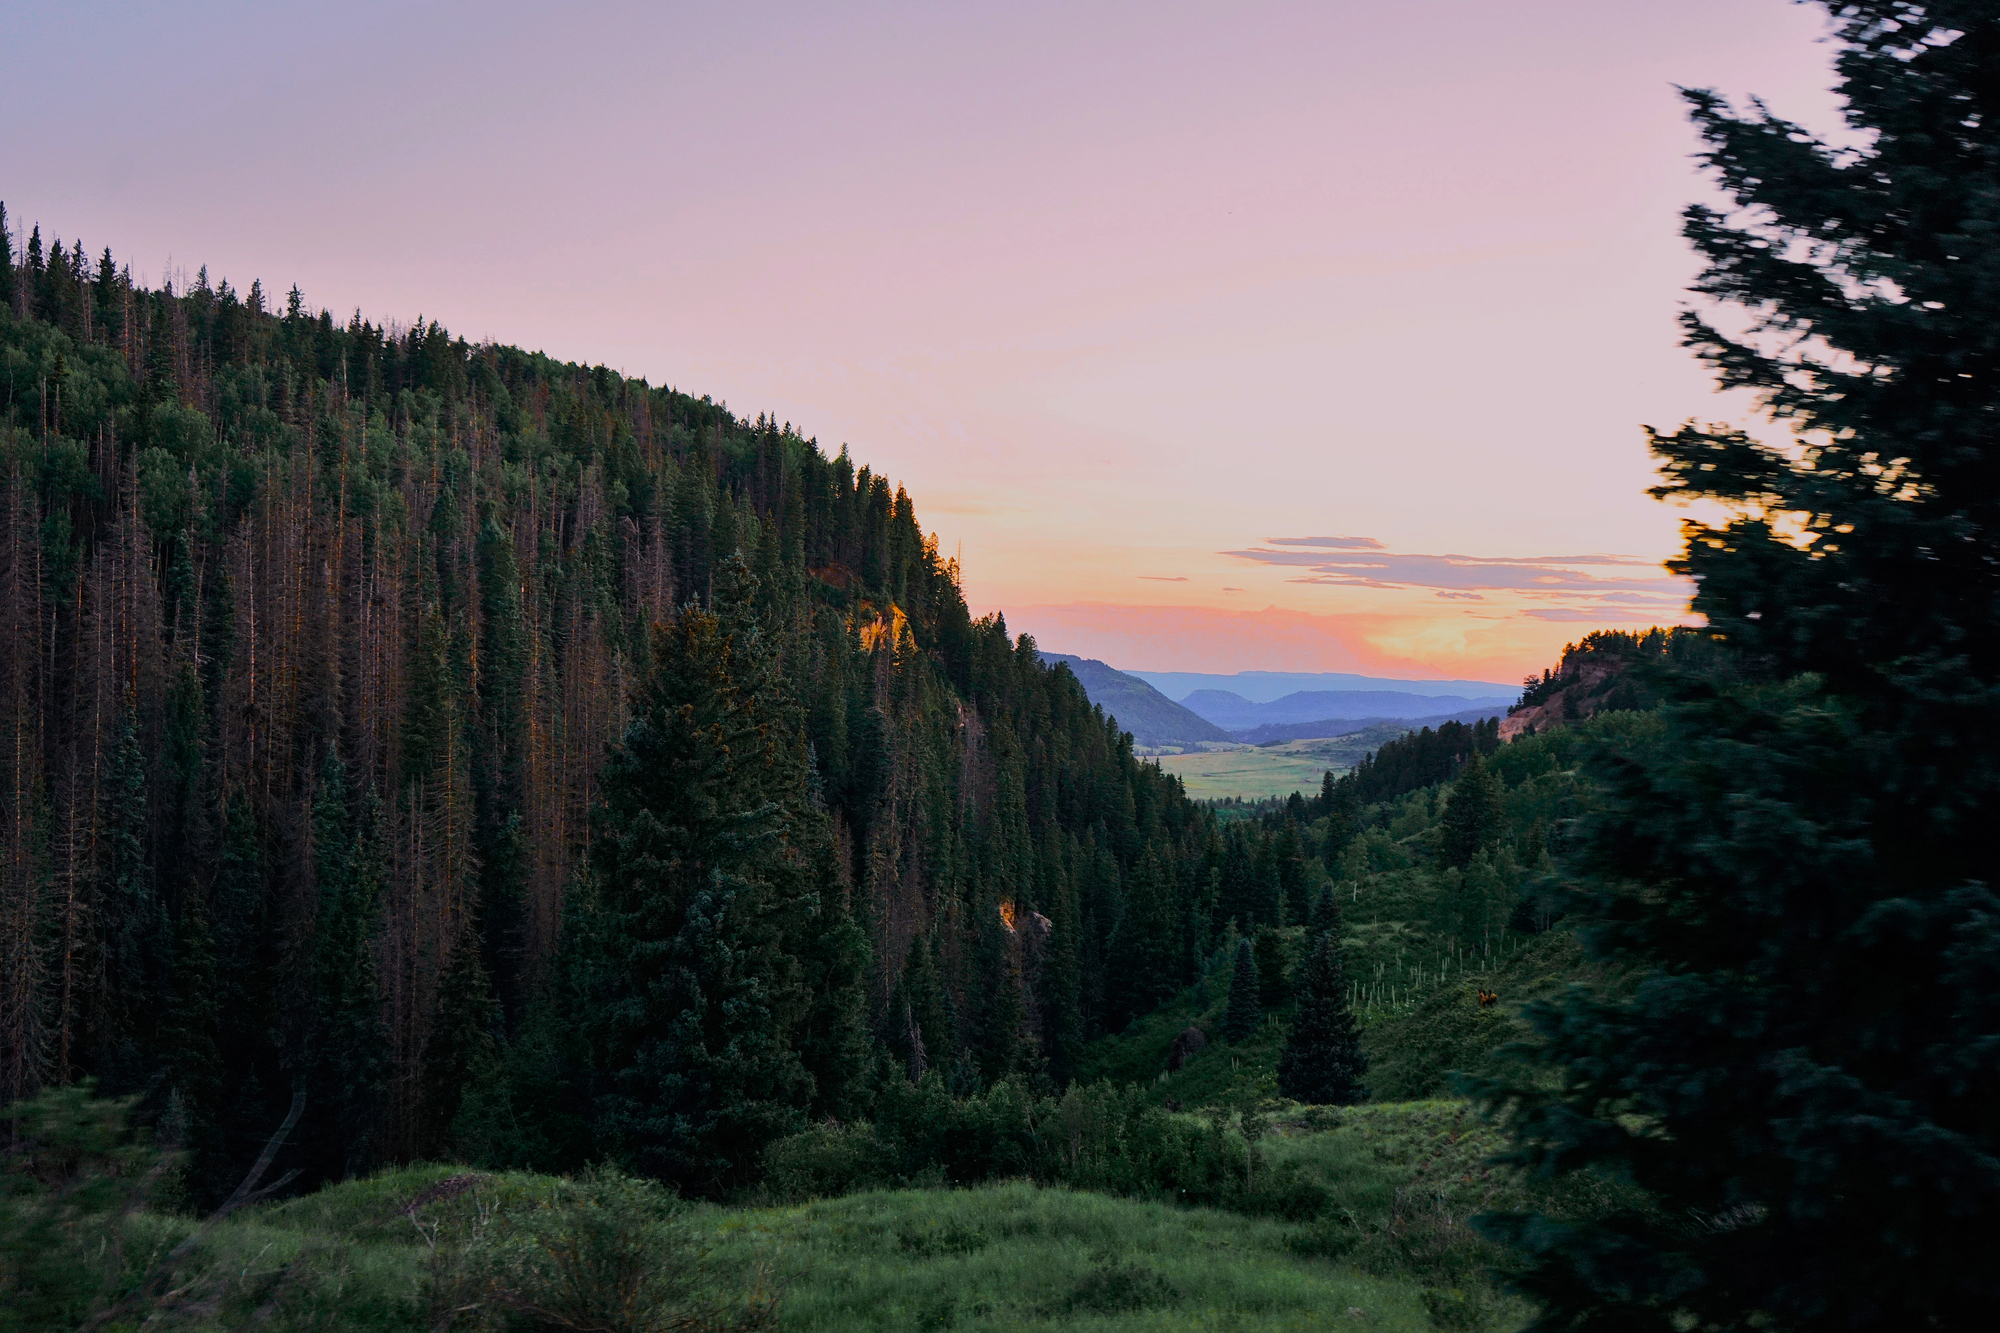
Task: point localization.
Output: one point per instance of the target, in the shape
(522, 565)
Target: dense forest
(390, 717)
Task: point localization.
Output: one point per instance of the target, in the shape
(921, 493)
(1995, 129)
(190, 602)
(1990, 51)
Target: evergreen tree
(1322, 1063)
(1474, 815)
(344, 1046)
(1325, 918)
(1246, 1009)
(461, 1046)
(1800, 1096)
(135, 937)
(1273, 970)
(1290, 854)
(701, 890)
(916, 1019)
(7, 281)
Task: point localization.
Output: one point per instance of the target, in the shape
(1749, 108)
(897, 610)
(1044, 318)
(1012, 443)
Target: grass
(1009, 1256)
(1016, 1256)
(1249, 772)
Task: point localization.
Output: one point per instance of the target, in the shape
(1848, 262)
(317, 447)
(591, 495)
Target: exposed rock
(1190, 1040)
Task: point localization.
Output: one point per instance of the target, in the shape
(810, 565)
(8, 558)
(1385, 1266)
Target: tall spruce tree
(7, 285)
(1245, 1010)
(343, 1050)
(1322, 1063)
(704, 895)
(1474, 814)
(1803, 1096)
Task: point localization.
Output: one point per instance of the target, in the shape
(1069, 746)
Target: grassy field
(1016, 1256)
(1254, 772)
(422, 1248)
(1249, 772)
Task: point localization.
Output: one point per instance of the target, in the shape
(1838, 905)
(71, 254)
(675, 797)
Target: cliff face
(1587, 682)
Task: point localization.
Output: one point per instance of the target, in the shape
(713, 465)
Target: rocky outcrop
(1190, 1040)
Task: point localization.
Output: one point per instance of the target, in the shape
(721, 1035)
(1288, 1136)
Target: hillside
(349, 670)
(1277, 733)
(1151, 717)
(445, 1249)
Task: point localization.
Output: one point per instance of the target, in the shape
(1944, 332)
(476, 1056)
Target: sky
(1212, 337)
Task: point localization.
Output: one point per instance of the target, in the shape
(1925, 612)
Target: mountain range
(1151, 717)
(1259, 711)
(1232, 712)
(1266, 686)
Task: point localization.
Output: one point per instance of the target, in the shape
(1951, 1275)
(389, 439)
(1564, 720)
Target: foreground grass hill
(443, 1248)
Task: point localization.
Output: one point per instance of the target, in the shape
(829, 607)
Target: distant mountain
(1276, 733)
(1266, 686)
(1151, 717)
(1233, 712)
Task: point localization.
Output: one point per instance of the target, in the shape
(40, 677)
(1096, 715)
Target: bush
(607, 1253)
(70, 1183)
(1114, 1289)
(1097, 1137)
(827, 1161)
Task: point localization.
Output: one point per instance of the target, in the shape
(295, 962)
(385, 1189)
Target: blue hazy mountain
(1232, 712)
(1151, 717)
(1268, 686)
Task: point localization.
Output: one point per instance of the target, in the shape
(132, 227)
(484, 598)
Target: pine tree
(135, 939)
(1800, 1095)
(344, 1046)
(461, 1045)
(1246, 1009)
(7, 280)
(1290, 855)
(1325, 918)
(916, 1017)
(1273, 969)
(1474, 815)
(701, 892)
(1322, 1063)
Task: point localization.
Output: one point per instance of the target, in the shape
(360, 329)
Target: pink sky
(1135, 298)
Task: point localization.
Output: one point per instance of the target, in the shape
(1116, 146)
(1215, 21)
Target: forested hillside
(316, 636)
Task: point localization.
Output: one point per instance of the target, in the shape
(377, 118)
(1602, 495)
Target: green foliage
(72, 1176)
(706, 900)
(1800, 1088)
(1094, 1137)
(1473, 816)
(1322, 1062)
(1246, 1008)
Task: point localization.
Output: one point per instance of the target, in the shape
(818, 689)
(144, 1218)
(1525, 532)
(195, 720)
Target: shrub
(75, 1174)
(607, 1253)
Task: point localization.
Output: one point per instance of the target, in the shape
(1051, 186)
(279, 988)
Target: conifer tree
(1325, 918)
(135, 937)
(1322, 1063)
(701, 890)
(1474, 814)
(7, 280)
(916, 1015)
(344, 1045)
(1273, 969)
(1246, 1009)
(1801, 1094)
(461, 1045)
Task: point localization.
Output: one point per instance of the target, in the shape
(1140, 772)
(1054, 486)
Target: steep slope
(315, 637)
(1151, 717)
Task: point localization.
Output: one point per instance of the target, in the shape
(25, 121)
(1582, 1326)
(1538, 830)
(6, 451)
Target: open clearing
(1249, 772)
